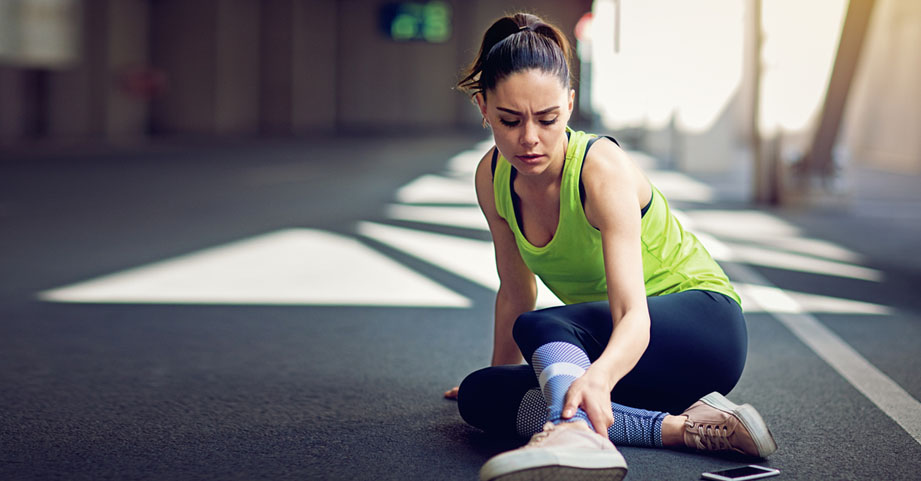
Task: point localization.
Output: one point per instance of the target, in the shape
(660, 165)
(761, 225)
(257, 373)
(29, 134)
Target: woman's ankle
(673, 431)
(574, 424)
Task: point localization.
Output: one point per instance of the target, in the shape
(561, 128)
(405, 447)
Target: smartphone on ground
(743, 473)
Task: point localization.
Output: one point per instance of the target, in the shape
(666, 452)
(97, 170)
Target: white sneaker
(569, 451)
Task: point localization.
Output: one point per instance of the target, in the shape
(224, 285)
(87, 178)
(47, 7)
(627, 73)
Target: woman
(650, 324)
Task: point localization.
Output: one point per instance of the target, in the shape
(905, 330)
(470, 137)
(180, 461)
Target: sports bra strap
(495, 158)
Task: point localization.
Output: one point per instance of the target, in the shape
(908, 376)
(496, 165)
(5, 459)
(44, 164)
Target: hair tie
(524, 27)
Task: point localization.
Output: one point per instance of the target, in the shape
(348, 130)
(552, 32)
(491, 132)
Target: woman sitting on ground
(651, 325)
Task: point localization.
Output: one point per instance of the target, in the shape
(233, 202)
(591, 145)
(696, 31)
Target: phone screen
(741, 472)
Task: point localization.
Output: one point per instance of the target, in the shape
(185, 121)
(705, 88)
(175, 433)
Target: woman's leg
(562, 450)
(698, 344)
(501, 400)
(679, 366)
(506, 401)
(553, 348)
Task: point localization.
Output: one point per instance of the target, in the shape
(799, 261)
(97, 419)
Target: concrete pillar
(375, 74)
(277, 62)
(127, 106)
(12, 105)
(298, 87)
(236, 75)
(209, 52)
(314, 71)
(88, 100)
(76, 94)
(184, 48)
(818, 160)
(883, 116)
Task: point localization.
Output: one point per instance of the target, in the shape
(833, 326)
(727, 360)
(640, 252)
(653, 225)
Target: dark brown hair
(514, 43)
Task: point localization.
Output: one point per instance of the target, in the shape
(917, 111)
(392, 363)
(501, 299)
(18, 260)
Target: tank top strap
(571, 187)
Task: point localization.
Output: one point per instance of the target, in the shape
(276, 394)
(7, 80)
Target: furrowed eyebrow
(542, 112)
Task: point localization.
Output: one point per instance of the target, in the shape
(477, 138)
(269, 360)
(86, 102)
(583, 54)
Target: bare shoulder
(613, 182)
(484, 173)
(607, 163)
(484, 166)
(483, 183)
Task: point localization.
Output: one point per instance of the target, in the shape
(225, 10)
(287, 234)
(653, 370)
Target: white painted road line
(879, 388)
(717, 226)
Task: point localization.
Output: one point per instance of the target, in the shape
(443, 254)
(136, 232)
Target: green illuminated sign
(415, 21)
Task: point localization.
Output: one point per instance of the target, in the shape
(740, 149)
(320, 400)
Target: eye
(508, 123)
(549, 122)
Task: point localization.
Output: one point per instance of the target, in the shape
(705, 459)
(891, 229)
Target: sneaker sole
(557, 473)
(749, 417)
(540, 465)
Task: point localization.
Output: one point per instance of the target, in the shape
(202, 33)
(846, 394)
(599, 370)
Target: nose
(529, 135)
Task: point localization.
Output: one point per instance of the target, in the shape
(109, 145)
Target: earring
(485, 123)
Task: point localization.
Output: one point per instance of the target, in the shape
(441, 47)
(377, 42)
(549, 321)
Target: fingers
(573, 400)
(452, 393)
(601, 418)
(598, 411)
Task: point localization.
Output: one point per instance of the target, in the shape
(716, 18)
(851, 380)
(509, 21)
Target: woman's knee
(472, 396)
(735, 351)
(724, 370)
(489, 398)
(728, 372)
(536, 328)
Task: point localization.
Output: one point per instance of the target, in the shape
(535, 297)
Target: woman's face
(528, 112)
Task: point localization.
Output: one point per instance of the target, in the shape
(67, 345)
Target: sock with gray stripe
(557, 365)
(632, 427)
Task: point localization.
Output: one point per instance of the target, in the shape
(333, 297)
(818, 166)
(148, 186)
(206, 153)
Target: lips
(529, 158)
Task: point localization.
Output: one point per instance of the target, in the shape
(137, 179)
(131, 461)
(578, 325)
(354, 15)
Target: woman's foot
(560, 451)
(715, 423)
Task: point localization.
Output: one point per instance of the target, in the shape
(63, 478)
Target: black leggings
(698, 344)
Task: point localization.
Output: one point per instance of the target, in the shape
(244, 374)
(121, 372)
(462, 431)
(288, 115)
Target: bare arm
(614, 188)
(517, 288)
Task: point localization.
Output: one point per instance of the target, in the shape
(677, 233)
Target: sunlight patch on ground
(768, 250)
(679, 187)
(471, 259)
(759, 227)
(315, 267)
(758, 298)
(466, 217)
(465, 163)
(766, 257)
(288, 267)
(437, 189)
(749, 224)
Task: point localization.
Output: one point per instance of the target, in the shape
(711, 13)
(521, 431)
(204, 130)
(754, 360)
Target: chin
(530, 169)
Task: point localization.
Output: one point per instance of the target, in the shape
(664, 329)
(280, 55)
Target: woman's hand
(452, 393)
(591, 392)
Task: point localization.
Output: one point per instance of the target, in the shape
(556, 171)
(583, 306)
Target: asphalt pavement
(294, 310)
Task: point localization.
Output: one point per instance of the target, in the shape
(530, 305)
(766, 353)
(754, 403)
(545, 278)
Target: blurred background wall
(716, 85)
(883, 123)
(126, 69)
(708, 86)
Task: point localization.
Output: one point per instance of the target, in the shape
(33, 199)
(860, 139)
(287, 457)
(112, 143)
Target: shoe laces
(538, 438)
(713, 437)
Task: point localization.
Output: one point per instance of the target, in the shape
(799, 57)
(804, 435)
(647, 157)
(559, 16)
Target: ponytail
(515, 43)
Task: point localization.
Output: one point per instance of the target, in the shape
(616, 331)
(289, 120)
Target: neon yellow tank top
(572, 265)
